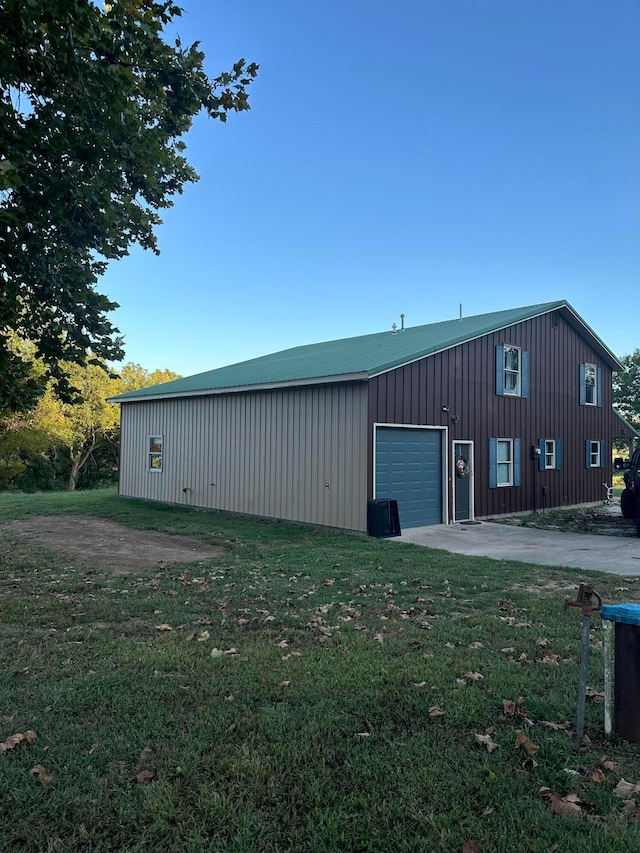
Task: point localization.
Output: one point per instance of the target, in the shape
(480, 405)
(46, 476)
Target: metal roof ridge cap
(551, 306)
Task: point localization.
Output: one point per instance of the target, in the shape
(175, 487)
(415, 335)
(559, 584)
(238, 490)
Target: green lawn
(316, 692)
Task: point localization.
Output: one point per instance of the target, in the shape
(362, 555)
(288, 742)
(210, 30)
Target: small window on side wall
(504, 462)
(154, 456)
(595, 453)
(512, 372)
(590, 385)
(550, 455)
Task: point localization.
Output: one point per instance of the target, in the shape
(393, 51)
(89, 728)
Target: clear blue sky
(399, 157)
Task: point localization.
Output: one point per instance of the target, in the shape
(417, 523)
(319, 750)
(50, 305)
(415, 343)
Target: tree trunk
(78, 460)
(75, 470)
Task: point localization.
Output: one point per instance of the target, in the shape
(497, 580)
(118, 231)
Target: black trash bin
(383, 518)
(626, 690)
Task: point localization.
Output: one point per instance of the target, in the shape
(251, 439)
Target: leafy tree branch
(94, 103)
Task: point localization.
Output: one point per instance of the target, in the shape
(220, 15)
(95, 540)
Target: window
(590, 385)
(595, 454)
(512, 372)
(155, 453)
(504, 462)
(550, 454)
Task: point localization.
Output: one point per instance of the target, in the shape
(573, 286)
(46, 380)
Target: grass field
(303, 691)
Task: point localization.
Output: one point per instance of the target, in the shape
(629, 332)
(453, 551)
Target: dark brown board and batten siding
(463, 378)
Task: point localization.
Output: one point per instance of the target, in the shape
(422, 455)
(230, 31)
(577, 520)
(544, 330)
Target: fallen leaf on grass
(41, 774)
(470, 847)
(472, 676)
(556, 727)
(145, 776)
(203, 637)
(164, 627)
(523, 742)
(594, 694)
(475, 646)
(509, 708)
(379, 637)
(598, 776)
(145, 754)
(92, 748)
(436, 711)
(566, 806)
(363, 734)
(508, 650)
(630, 809)
(625, 790)
(218, 653)
(609, 765)
(16, 740)
(487, 741)
(284, 684)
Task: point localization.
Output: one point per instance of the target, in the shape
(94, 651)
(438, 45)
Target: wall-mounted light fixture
(445, 408)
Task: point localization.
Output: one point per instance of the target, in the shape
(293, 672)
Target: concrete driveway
(617, 555)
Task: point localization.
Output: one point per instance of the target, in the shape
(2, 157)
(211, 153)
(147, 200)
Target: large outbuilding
(473, 417)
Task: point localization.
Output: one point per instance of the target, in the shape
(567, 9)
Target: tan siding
(268, 453)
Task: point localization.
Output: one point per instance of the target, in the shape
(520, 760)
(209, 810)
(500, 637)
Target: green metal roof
(356, 358)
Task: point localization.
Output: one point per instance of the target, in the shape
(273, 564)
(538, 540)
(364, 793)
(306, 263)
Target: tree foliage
(93, 104)
(626, 388)
(57, 441)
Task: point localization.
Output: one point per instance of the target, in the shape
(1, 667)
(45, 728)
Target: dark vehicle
(630, 497)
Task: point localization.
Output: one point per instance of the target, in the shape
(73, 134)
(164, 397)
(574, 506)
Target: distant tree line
(68, 444)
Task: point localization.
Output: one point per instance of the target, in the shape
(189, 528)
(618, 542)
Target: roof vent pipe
(402, 322)
(461, 310)
(394, 328)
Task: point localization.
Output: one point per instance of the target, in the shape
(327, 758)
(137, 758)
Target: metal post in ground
(607, 627)
(584, 601)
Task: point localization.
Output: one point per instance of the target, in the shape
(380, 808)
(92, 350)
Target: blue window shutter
(516, 462)
(493, 463)
(524, 387)
(500, 371)
(588, 453)
(599, 387)
(558, 454)
(602, 451)
(583, 387)
(541, 457)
